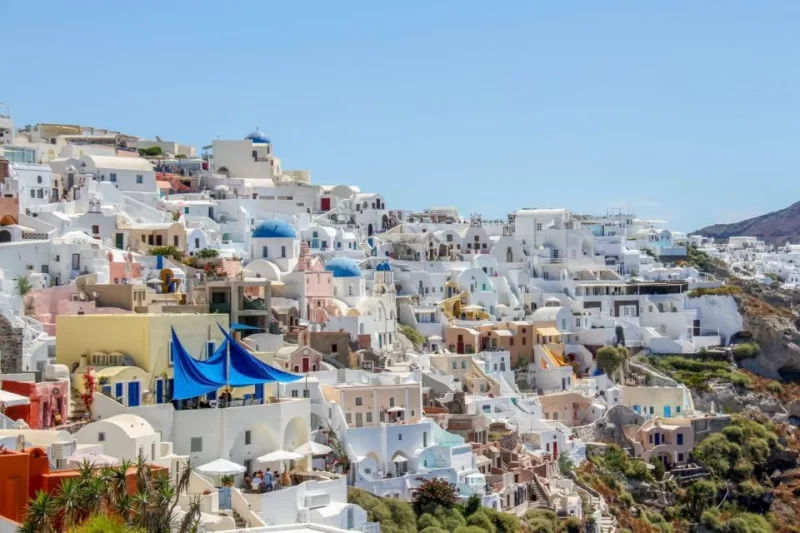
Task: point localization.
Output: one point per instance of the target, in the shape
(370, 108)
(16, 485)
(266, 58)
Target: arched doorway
(5, 236)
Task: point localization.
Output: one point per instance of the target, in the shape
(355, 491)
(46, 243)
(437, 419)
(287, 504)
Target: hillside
(777, 227)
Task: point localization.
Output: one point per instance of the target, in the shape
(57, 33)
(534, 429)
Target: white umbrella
(279, 455)
(94, 459)
(312, 448)
(221, 467)
(9, 399)
(395, 410)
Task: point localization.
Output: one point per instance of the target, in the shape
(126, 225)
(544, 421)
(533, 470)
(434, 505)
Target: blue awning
(244, 327)
(193, 378)
(248, 370)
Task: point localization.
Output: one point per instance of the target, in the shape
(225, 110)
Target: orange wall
(14, 480)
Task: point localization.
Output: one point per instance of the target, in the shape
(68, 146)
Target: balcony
(220, 308)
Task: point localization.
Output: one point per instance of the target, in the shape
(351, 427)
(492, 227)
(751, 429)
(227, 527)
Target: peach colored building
(514, 337)
(371, 405)
(466, 371)
(462, 340)
(142, 237)
(571, 408)
(671, 440)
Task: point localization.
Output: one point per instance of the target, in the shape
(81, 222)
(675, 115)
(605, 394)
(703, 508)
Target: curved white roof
(122, 163)
(545, 314)
(135, 426)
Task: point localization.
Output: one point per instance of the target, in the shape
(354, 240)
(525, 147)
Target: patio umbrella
(94, 459)
(221, 467)
(279, 455)
(312, 448)
(395, 410)
(9, 399)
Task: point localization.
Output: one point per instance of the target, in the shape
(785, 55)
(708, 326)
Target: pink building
(122, 268)
(312, 286)
(48, 303)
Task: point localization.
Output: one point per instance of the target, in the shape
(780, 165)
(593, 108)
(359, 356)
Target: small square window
(196, 445)
(101, 437)
(294, 393)
(139, 179)
(359, 401)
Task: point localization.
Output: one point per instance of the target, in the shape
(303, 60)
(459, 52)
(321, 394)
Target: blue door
(118, 390)
(107, 390)
(658, 439)
(170, 389)
(667, 411)
(133, 393)
(159, 391)
(259, 392)
(224, 497)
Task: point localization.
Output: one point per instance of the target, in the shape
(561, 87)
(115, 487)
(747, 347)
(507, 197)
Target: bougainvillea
(89, 387)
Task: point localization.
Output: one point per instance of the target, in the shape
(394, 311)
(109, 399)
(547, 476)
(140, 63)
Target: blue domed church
(275, 241)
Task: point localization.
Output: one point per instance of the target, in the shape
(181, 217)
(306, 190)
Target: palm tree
(41, 513)
(104, 491)
(70, 502)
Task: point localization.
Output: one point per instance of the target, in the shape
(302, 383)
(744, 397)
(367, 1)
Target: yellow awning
(548, 332)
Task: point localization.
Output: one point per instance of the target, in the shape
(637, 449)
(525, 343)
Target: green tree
(208, 253)
(167, 251)
(572, 525)
(565, 465)
(609, 359)
(699, 496)
(482, 521)
(433, 493)
(415, 337)
(23, 285)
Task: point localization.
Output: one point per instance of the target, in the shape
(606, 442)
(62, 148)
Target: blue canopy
(243, 327)
(247, 370)
(194, 378)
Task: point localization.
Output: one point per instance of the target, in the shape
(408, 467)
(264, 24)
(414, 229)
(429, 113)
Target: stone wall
(10, 347)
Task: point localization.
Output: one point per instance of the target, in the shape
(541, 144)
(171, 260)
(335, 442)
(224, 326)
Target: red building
(49, 405)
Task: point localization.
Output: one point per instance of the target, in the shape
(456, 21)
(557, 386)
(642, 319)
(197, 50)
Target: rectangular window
(76, 261)
(139, 179)
(95, 229)
(33, 193)
(294, 394)
(383, 416)
(101, 437)
(306, 393)
(680, 439)
(113, 177)
(348, 418)
(399, 436)
(463, 365)
(359, 401)
(369, 417)
(247, 438)
(455, 365)
(196, 445)
(264, 251)
(538, 226)
(680, 457)
(334, 348)
(283, 251)
(391, 401)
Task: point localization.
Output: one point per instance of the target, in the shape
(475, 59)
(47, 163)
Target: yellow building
(132, 348)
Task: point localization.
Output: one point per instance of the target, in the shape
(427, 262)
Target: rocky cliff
(777, 227)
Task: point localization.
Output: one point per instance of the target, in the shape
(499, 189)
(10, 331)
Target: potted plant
(227, 481)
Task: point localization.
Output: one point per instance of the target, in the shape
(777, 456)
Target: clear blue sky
(685, 110)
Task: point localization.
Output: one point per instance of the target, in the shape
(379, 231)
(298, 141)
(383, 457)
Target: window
(455, 365)
(383, 416)
(334, 348)
(139, 179)
(196, 445)
(650, 439)
(391, 401)
(369, 417)
(523, 341)
(306, 392)
(359, 401)
(113, 177)
(264, 251)
(511, 341)
(463, 364)
(76, 261)
(101, 437)
(95, 229)
(348, 418)
(283, 251)
(680, 457)
(538, 226)
(294, 394)
(175, 241)
(680, 439)
(197, 243)
(33, 193)
(399, 436)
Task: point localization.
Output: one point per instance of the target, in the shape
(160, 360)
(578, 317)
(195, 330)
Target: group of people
(267, 481)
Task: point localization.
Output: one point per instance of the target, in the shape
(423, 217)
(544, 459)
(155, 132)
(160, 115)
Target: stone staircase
(241, 523)
(541, 497)
(76, 408)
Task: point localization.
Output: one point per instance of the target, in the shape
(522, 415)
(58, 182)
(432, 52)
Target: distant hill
(778, 227)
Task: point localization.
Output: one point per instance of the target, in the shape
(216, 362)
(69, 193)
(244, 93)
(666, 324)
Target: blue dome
(343, 267)
(274, 229)
(258, 137)
(384, 267)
